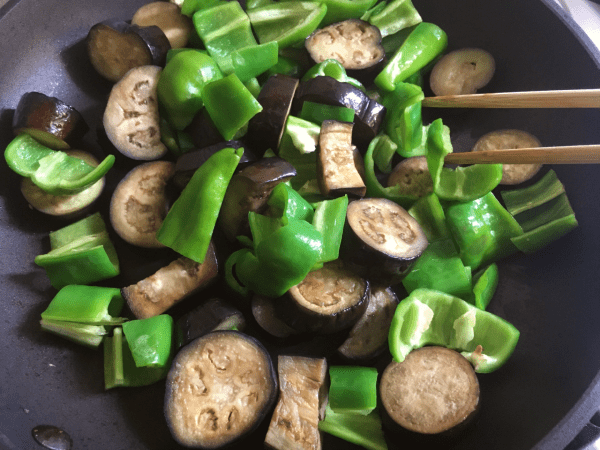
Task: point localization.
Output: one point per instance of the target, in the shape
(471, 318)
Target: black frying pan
(541, 398)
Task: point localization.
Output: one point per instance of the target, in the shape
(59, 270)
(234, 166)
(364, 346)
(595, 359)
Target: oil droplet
(52, 438)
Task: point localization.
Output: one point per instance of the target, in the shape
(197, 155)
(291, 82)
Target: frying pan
(540, 399)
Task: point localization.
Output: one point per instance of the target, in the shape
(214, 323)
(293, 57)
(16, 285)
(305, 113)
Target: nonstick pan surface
(541, 397)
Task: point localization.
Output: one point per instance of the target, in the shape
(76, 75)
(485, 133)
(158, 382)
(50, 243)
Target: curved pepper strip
(286, 203)
(334, 69)
(150, 340)
(55, 172)
(485, 283)
(395, 16)
(403, 123)
(464, 183)
(282, 259)
(338, 10)
(189, 224)
(429, 213)
(428, 317)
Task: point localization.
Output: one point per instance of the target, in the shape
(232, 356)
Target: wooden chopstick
(574, 154)
(578, 98)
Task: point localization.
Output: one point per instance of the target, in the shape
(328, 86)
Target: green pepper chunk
(287, 204)
(482, 229)
(485, 283)
(288, 23)
(150, 340)
(189, 7)
(428, 317)
(318, 112)
(394, 16)
(230, 105)
(189, 224)
(421, 47)
(180, 85)
(334, 69)
(358, 429)
(329, 219)
(249, 62)
(80, 253)
(120, 368)
(352, 389)
(430, 214)
(55, 172)
(338, 10)
(298, 146)
(403, 123)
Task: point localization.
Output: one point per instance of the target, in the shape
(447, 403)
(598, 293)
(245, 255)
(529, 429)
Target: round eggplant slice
(263, 310)
(510, 139)
(328, 300)
(116, 47)
(356, 44)
(219, 389)
(49, 120)
(462, 71)
(64, 206)
(266, 128)
(369, 114)
(131, 118)
(412, 174)
(433, 392)
(369, 336)
(381, 240)
(166, 16)
(139, 203)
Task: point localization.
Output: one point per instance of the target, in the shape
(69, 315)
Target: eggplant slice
(412, 175)
(381, 240)
(295, 421)
(166, 16)
(48, 120)
(115, 47)
(219, 389)
(434, 392)
(328, 300)
(462, 71)
(131, 119)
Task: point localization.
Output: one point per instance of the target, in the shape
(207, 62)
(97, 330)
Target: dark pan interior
(543, 395)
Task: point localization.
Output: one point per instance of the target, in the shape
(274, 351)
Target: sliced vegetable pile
(292, 133)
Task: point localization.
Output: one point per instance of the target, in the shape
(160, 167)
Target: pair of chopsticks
(575, 154)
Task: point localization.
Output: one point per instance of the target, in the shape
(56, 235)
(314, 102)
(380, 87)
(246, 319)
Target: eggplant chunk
(49, 120)
(369, 336)
(412, 175)
(64, 206)
(170, 285)
(356, 44)
(116, 47)
(295, 421)
(336, 170)
(328, 300)
(434, 392)
(166, 16)
(139, 203)
(381, 240)
(131, 118)
(249, 190)
(462, 72)
(265, 315)
(266, 128)
(219, 389)
(369, 114)
(510, 139)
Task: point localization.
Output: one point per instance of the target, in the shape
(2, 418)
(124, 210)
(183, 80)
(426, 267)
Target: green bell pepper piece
(253, 86)
(288, 23)
(249, 62)
(53, 171)
(464, 183)
(352, 389)
(421, 47)
(223, 29)
(189, 224)
(440, 268)
(150, 340)
(83, 334)
(120, 368)
(282, 260)
(286, 66)
(428, 317)
(546, 189)
(80, 253)
(339, 10)
(180, 85)
(262, 226)
(395, 16)
(403, 123)
(329, 219)
(318, 112)
(230, 105)
(485, 283)
(334, 69)
(429, 213)
(287, 204)
(175, 51)
(379, 144)
(298, 146)
(365, 431)
(189, 7)
(482, 230)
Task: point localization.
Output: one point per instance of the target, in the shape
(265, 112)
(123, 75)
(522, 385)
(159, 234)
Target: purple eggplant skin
(219, 389)
(114, 47)
(203, 131)
(369, 114)
(276, 97)
(49, 120)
